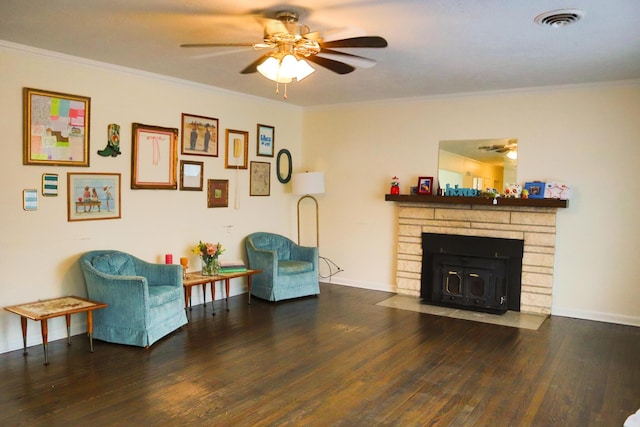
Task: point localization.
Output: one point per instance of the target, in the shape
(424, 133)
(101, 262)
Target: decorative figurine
(113, 143)
(395, 185)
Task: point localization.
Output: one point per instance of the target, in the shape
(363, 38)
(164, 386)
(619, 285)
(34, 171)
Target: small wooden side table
(195, 278)
(46, 309)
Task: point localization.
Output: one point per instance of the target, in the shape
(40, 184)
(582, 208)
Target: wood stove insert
(470, 272)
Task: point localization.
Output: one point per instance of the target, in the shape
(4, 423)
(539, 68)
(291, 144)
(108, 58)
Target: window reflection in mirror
(478, 163)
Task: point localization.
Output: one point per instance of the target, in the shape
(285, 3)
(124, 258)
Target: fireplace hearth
(470, 272)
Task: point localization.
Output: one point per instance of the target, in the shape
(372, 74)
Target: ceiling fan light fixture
(286, 69)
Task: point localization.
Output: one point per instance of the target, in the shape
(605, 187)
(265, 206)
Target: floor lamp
(308, 183)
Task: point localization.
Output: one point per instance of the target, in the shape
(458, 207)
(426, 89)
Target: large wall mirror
(478, 163)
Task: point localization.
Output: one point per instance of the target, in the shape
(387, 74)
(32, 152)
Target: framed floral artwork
(93, 196)
(199, 135)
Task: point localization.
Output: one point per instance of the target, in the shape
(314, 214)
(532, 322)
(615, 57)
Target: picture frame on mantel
(425, 185)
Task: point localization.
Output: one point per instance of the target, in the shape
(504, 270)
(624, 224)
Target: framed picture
(49, 184)
(425, 185)
(191, 174)
(218, 193)
(199, 135)
(535, 189)
(266, 136)
(154, 157)
(93, 196)
(260, 181)
(55, 128)
(236, 155)
(30, 200)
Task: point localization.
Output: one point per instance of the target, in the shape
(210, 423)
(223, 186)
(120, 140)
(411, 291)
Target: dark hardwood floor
(334, 360)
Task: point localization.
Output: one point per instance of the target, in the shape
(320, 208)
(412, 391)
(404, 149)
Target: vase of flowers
(209, 253)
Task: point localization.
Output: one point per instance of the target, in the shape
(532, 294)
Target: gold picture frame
(191, 175)
(218, 193)
(236, 155)
(55, 128)
(154, 157)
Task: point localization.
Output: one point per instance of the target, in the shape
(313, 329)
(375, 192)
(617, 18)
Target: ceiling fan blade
(253, 67)
(335, 66)
(365, 41)
(216, 44)
(358, 61)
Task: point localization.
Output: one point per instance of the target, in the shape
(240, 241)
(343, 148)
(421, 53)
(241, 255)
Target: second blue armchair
(288, 270)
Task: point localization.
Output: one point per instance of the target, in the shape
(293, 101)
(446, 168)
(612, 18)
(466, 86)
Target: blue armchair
(145, 300)
(288, 270)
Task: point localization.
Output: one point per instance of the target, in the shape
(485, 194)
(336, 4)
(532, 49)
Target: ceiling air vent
(559, 18)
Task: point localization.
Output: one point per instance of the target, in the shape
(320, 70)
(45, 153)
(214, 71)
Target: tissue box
(557, 190)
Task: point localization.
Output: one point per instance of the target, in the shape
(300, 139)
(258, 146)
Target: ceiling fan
(291, 45)
(500, 148)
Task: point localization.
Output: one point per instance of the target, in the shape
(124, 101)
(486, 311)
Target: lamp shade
(308, 183)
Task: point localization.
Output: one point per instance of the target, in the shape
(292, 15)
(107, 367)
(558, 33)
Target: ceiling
(436, 47)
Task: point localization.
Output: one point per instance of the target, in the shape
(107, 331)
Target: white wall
(585, 136)
(39, 249)
(588, 137)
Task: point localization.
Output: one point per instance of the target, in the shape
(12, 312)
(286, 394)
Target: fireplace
(471, 272)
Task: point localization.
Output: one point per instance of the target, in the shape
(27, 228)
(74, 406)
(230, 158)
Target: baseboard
(596, 316)
(374, 286)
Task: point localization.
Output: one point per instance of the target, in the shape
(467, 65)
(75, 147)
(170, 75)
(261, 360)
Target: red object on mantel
(395, 185)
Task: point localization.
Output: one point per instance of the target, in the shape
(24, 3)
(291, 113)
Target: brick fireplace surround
(535, 225)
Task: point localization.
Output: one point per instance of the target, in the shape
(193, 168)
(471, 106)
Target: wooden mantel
(461, 200)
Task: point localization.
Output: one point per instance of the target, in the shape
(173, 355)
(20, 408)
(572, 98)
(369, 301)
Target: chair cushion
(294, 266)
(159, 295)
(117, 264)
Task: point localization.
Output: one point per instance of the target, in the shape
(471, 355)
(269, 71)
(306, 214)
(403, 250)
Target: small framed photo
(30, 200)
(260, 182)
(191, 175)
(49, 184)
(154, 157)
(535, 189)
(266, 135)
(236, 155)
(218, 193)
(425, 185)
(93, 196)
(55, 128)
(199, 135)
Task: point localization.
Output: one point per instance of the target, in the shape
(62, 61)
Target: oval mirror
(284, 177)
